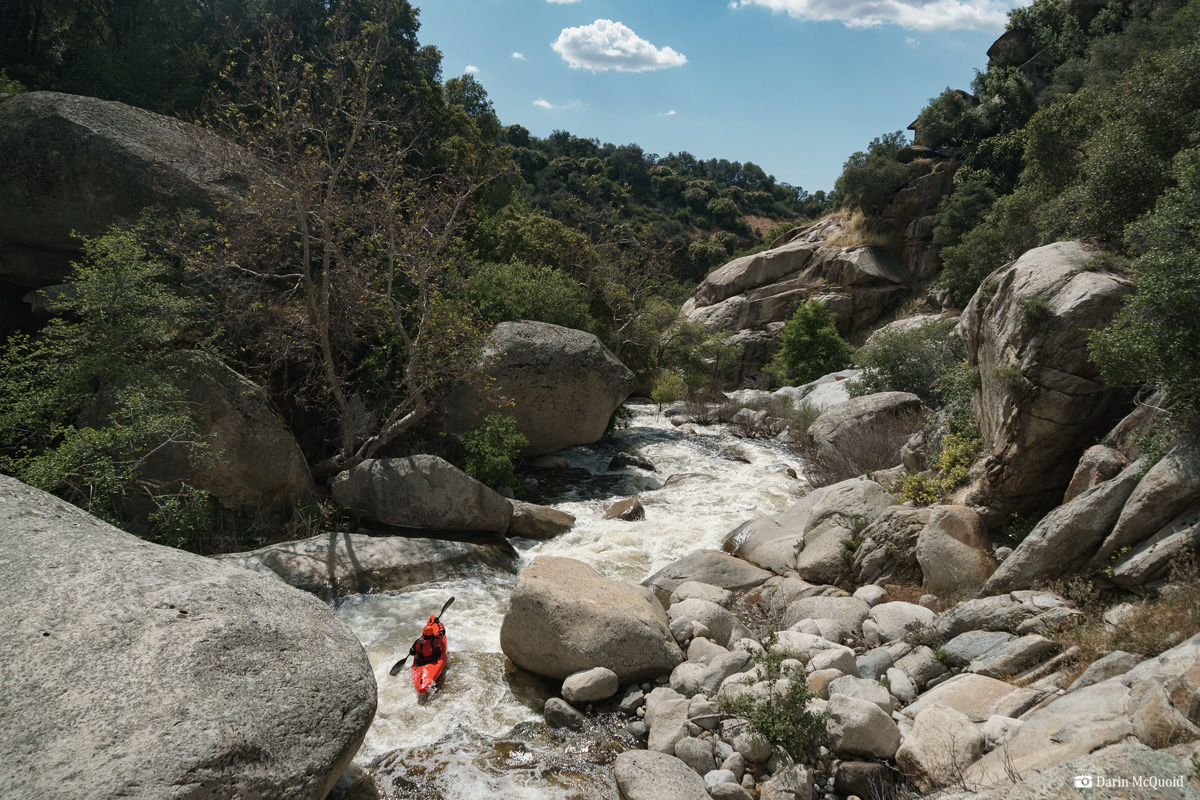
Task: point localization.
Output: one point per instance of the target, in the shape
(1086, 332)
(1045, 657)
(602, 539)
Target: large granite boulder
(421, 491)
(243, 431)
(563, 386)
(78, 165)
(134, 670)
(331, 565)
(564, 617)
(1042, 400)
(953, 551)
(885, 416)
(711, 567)
(651, 775)
(808, 537)
(887, 552)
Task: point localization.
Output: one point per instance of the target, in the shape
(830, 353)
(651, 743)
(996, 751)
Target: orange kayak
(426, 675)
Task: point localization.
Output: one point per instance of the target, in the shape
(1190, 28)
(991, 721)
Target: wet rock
(421, 491)
(334, 565)
(590, 686)
(564, 617)
(629, 510)
(940, 747)
(623, 460)
(531, 521)
(144, 669)
(559, 714)
(650, 775)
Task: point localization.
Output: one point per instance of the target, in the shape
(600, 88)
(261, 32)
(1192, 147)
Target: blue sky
(795, 86)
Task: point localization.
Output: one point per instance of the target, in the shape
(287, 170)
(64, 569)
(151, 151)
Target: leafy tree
(87, 403)
(909, 360)
(517, 290)
(491, 449)
(948, 120)
(809, 347)
(870, 180)
(340, 267)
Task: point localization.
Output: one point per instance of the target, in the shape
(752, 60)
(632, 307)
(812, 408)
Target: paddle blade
(443, 611)
(399, 665)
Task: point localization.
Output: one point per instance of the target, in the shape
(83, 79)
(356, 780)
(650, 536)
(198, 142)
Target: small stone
(559, 714)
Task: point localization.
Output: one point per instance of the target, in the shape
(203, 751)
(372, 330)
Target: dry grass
(856, 232)
(1155, 624)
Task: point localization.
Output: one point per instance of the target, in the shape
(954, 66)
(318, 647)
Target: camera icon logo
(1083, 782)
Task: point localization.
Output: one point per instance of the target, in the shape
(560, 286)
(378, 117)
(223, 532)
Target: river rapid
(481, 736)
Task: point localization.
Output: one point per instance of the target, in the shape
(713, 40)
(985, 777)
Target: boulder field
(134, 670)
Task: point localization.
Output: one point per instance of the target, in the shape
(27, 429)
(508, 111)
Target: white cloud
(471, 69)
(542, 102)
(562, 2)
(921, 15)
(670, 113)
(605, 45)
(911, 42)
(519, 56)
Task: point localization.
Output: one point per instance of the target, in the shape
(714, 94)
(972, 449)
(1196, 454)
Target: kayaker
(428, 649)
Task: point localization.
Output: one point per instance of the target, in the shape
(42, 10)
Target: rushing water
(480, 736)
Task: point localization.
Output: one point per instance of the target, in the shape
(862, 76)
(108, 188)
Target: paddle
(399, 665)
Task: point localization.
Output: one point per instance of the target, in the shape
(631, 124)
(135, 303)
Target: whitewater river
(481, 736)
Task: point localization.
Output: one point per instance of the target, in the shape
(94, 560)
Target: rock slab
(134, 670)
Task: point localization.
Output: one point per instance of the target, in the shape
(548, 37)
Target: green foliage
(1034, 308)
(920, 488)
(1153, 339)
(870, 180)
(491, 449)
(1006, 232)
(958, 452)
(8, 85)
(668, 388)
(947, 120)
(782, 717)
(93, 399)
(809, 347)
(517, 290)
(907, 360)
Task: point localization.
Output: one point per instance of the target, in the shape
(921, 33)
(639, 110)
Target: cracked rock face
(1041, 400)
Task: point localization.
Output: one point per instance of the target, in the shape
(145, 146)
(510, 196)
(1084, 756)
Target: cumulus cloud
(606, 45)
(921, 15)
(670, 113)
(519, 56)
(471, 69)
(542, 102)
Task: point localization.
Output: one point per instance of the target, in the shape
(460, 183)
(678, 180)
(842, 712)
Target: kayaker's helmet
(430, 628)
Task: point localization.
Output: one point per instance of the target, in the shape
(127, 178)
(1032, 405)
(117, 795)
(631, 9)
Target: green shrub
(517, 290)
(782, 717)
(491, 449)
(870, 180)
(809, 347)
(8, 85)
(668, 388)
(85, 404)
(908, 360)
(921, 488)
(958, 452)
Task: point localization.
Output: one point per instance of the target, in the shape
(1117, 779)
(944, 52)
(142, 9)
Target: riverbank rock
(939, 748)
(563, 384)
(531, 521)
(888, 551)
(1026, 331)
(884, 415)
(78, 165)
(236, 420)
(564, 618)
(139, 671)
(650, 775)
(332, 565)
(421, 491)
(808, 537)
(706, 566)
